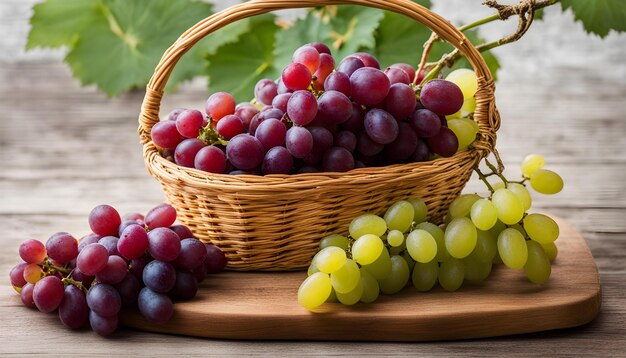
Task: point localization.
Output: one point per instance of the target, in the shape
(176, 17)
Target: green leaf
(599, 16)
(238, 66)
(345, 29)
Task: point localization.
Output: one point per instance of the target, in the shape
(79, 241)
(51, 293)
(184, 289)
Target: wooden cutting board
(253, 305)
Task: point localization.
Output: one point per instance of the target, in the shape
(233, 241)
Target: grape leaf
(599, 16)
(238, 66)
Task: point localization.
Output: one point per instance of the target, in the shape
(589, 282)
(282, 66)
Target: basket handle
(485, 113)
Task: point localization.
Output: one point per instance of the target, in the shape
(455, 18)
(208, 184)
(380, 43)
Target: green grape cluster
(382, 254)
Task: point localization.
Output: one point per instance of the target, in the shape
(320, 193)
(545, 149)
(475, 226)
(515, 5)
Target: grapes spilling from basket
(126, 262)
(323, 117)
(383, 254)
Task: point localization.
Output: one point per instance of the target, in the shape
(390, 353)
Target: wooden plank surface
(65, 149)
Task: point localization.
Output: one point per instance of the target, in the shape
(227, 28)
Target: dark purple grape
(186, 151)
(245, 151)
(380, 126)
(73, 311)
(128, 289)
(186, 286)
(397, 75)
(165, 134)
(189, 123)
(349, 65)
(162, 215)
(132, 216)
(281, 100)
(308, 169)
(174, 114)
(163, 244)
(114, 272)
(354, 124)
(265, 91)
(271, 133)
(345, 139)
(400, 101)
(445, 143)
(296, 76)
(367, 59)
(78, 276)
(182, 231)
(299, 142)
(401, 149)
(334, 107)
(26, 295)
(17, 275)
(199, 272)
(133, 242)
(425, 123)
(211, 159)
(322, 141)
(337, 159)
(408, 69)
(48, 293)
(443, 121)
(110, 243)
(88, 239)
(127, 223)
(369, 86)
(277, 161)
(154, 306)
(104, 300)
(359, 164)
(215, 261)
(263, 115)
(245, 112)
(302, 107)
(92, 259)
(442, 97)
(103, 326)
(229, 126)
(104, 220)
(192, 254)
(366, 146)
(136, 267)
(320, 47)
(159, 276)
(338, 81)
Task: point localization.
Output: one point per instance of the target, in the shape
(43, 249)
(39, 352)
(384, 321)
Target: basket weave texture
(274, 222)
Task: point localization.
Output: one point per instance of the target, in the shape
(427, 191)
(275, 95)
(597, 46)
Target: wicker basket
(274, 222)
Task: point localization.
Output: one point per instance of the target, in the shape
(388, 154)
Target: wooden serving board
(254, 305)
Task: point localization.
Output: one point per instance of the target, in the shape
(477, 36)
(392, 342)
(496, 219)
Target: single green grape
(475, 270)
(465, 132)
(334, 240)
(425, 275)
(551, 251)
(537, 266)
(421, 245)
(483, 214)
(466, 80)
(519, 228)
(333, 296)
(438, 235)
(451, 274)
(366, 249)
(420, 211)
(509, 208)
(330, 259)
(312, 268)
(469, 106)
(371, 290)
(352, 297)
(512, 248)
(460, 237)
(532, 163)
(314, 290)
(522, 194)
(546, 181)
(541, 228)
(462, 205)
(381, 268)
(395, 238)
(486, 247)
(367, 224)
(346, 278)
(497, 228)
(400, 216)
(398, 278)
(497, 183)
(397, 250)
(409, 260)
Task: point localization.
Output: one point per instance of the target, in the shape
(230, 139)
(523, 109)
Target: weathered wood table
(65, 149)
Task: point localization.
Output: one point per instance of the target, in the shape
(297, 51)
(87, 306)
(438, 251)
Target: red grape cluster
(134, 261)
(316, 117)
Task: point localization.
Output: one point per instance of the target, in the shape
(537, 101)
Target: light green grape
(472, 123)
(532, 163)
(367, 224)
(330, 259)
(352, 297)
(371, 290)
(546, 181)
(455, 115)
(486, 247)
(425, 275)
(346, 278)
(512, 248)
(381, 268)
(551, 251)
(497, 183)
(469, 106)
(497, 229)
(312, 268)
(397, 250)
(398, 278)
(537, 266)
(366, 249)
(466, 80)
(334, 240)
(420, 211)
(483, 214)
(475, 270)
(400, 216)
(314, 290)
(438, 235)
(333, 296)
(541, 228)
(522, 194)
(451, 274)
(508, 206)
(395, 238)
(462, 205)
(409, 260)
(460, 237)
(519, 228)
(421, 245)
(465, 132)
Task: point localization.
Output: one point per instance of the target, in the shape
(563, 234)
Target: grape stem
(483, 178)
(69, 281)
(49, 267)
